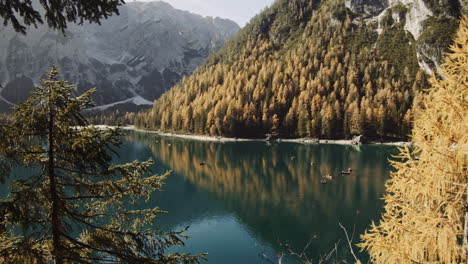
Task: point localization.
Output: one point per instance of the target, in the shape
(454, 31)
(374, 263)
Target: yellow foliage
(426, 203)
(258, 75)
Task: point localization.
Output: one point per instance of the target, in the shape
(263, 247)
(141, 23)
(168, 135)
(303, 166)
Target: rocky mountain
(131, 58)
(430, 22)
(322, 69)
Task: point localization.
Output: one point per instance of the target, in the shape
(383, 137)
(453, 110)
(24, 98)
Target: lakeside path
(226, 139)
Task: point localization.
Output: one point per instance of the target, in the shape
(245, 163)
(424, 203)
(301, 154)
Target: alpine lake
(251, 201)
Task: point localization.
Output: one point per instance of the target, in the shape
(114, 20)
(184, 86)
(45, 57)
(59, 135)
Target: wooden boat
(346, 172)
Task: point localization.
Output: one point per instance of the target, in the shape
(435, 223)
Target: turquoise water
(251, 197)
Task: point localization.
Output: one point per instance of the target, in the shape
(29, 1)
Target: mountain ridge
(142, 52)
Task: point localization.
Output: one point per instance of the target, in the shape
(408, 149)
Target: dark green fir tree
(72, 207)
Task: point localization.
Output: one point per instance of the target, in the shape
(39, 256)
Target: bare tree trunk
(56, 223)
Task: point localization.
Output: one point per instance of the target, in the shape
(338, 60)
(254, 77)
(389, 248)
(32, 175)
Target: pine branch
(110, 252)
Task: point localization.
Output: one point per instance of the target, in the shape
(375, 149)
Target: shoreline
(226, 139)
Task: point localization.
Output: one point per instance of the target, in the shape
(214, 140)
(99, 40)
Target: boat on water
(346, 172)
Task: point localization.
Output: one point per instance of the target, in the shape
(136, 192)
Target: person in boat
(347, 172)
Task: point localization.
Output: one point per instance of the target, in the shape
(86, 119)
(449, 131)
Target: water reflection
(272, 190)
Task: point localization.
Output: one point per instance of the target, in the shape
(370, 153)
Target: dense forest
(110, 117)
(306, 69)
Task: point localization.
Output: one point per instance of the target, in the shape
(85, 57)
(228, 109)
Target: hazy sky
(240, 11)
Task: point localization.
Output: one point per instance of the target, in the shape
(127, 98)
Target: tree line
(332, 77)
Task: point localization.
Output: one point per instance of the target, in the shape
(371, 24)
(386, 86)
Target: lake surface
(252, 196)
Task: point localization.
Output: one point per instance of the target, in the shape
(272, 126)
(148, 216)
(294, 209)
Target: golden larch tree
(426, 217)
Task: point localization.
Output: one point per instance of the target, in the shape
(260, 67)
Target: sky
(241, 11)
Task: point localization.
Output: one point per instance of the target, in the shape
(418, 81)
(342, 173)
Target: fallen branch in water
(349, 243)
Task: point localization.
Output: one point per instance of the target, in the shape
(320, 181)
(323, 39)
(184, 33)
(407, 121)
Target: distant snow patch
(137, 100)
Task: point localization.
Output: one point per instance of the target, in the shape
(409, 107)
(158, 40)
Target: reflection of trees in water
(281, 197)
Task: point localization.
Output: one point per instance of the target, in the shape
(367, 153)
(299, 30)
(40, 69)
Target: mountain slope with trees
(327, 69)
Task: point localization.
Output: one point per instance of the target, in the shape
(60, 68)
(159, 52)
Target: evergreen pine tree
(71, 207)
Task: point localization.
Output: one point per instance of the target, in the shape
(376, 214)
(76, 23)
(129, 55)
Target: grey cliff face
(139, 54)
(428, 22)
(369, 7)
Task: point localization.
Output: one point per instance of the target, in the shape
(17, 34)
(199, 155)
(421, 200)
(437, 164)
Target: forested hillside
(314, 69)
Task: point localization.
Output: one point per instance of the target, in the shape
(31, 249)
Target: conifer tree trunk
(56, 226)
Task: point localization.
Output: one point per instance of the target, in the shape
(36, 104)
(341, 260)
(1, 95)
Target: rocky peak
(429, 24)
(141, 53)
